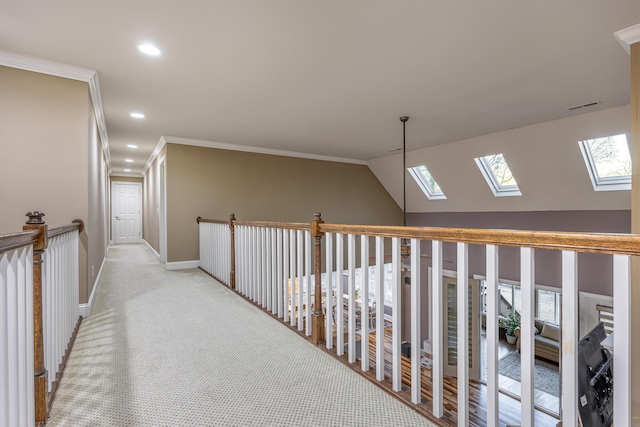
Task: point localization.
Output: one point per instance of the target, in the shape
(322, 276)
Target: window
(547, 302)
(495, 170)
(427, 184)
(608, 162)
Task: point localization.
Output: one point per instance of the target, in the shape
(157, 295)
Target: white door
(127, 218)
(450, 325)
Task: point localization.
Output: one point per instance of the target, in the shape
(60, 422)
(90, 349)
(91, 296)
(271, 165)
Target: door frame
(113, 207)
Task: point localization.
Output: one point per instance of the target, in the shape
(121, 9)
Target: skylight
(427, 184)
(608, 162)
(495, 170)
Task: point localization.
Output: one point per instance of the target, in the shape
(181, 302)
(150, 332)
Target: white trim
(67, 71)
(86, 308)
(156, 254)
(44, 66)
(497, 189)
(245, 148)
(182, 265)
(628, 36)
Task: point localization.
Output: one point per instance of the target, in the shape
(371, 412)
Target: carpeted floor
(176, 348)
(546, 376)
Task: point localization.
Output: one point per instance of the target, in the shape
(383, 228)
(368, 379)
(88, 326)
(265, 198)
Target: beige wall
(151, 203)
(213, 183)
(44, 148)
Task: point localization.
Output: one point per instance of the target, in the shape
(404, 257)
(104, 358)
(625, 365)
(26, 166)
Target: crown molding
(628, 36)
(259, 150)
(161, 143)
(72, 72)
(44, 66)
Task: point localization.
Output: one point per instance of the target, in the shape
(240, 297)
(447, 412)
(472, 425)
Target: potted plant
(510, 324)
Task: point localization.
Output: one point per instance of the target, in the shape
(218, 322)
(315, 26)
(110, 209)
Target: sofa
(546, 338)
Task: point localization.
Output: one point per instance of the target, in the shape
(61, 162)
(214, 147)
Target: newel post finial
(317, 318)
(35, 217)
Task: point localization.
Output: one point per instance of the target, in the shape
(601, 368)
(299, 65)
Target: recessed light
(137, 115)
(128, 160)
(149, 49)
(132, 146)
(127, 170)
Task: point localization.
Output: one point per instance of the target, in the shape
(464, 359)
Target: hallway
(176, 348)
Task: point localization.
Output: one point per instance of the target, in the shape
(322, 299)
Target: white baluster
(437, 329)
(527, 297)
(300, 279)
(569, 359)
(364, 302)
(463, 334)
(416, 339)
(351, 316)
(492, 336)
(307, 280)
(379, 308)
(622, 339)
(340, 294)
(285, 272)
(396, 303)
(328, 239)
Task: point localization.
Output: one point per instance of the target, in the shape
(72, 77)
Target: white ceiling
(330, 77)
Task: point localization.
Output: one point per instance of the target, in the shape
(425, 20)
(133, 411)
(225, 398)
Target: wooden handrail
(77, 224)
(628, 244)
(17, 240)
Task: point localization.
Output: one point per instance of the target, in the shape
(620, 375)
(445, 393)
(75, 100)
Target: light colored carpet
(546, 376)
(176, 348)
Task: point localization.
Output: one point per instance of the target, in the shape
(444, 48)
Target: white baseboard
(157, 255)
(85, 309)
(182, 265)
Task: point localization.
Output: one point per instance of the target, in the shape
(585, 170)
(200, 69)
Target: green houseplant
(510, 323)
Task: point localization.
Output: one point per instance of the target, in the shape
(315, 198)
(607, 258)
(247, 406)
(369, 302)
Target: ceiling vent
(588, 104)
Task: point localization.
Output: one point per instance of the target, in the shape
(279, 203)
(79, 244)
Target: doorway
(126, 212)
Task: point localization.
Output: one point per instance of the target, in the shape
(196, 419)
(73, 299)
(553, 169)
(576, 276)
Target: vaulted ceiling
(330, 77)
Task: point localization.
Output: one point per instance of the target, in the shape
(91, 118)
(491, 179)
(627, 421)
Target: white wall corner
(86, 308)
(156, 254)
(183, 265)
(628, 36)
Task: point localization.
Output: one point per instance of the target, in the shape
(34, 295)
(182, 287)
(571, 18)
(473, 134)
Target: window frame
(609, 183)
(489, 175)
(422, 182)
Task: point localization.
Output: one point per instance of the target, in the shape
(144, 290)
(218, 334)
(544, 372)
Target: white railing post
(364, 302)
(622, 339)
(527, 298)
(329, 294)
(396, 334)
(463, 334)
(379, 308)
(416, 340)
(492, 336)
(351, 320)
(437, 338)
(340, 294)
(569, 356)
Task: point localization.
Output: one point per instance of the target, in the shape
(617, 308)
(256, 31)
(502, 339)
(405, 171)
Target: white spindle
(274, 274)
(569, 359)
(292, 275)
(364, 302)
(16, 333)
(463, 334)
(416, 340)
(622, 339)
(307, 280)
(300, 279)
(285, 275)
(492, 336)
(340, 294)
(527, 295)
(379, 273)
(328, 239)
(351, 317)
(279, 278)
(437, 347)
(396, 304)
(266, 272)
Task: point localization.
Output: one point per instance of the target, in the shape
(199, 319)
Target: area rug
(546, 376)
